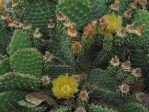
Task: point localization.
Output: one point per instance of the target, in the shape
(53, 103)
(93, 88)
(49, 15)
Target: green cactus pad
(21, 39)
(36, 12)
(140, 60)
(105, 55)
(54, 45)
(29, 107)
(98, 8)
(77, 11)
(27, 61)
(97, 108)
(141, 18)
(4, 65)
(16, 81)
(124, 5)
(9, 101)
(107, 96)
(133, 107)
(61, 45)
(101, 78)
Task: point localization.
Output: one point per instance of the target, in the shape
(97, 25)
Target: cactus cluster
(74, 55)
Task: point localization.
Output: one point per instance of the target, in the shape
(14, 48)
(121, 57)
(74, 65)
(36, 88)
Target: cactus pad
(27, 61)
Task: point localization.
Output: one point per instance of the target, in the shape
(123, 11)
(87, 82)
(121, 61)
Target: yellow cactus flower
(111, 23)
(65, 86)
(2, 8)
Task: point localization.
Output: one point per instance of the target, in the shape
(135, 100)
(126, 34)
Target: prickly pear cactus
(27, 61)
(96, 108)
(133, 107)
(77, 11)
(96, 75)
(124, 4)
(98, 8)
(74, 56)
(37, 13)
(11, 81)
(10, 99)
(4, 65)
(140, 19)
(21, 39)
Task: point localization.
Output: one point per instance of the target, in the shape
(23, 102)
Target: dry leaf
(49, 100)
(35, 98)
